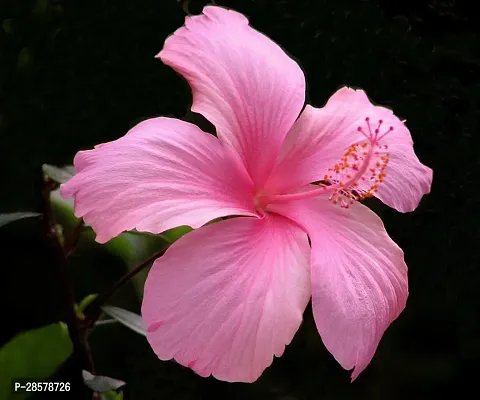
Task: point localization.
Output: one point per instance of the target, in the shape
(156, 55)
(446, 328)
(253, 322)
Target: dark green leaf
(40, 8)
(24, 58)
(7, 26)
(15, 216)
(33, 355)
(176, 233)
(99, 383)
(111, 395)
(127, 318)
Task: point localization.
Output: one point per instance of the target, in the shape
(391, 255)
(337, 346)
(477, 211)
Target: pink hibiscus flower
(227, 297)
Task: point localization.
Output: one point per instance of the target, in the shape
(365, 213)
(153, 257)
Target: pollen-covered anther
(361, 169)
(372, 134)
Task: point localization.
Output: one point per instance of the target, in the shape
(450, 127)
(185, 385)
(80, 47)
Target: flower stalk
(60, 264)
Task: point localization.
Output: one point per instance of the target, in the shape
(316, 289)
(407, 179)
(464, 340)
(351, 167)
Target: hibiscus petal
(242, 82)
(164, 173)
(320, 137)
(227, 297)
(359, 277)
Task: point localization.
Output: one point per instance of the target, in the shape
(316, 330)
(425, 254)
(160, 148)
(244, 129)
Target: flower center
(358, 173)
(260, 203)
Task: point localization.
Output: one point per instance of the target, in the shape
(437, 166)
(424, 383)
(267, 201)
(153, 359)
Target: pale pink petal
(164, 173)
(359, 277)
(242, 82)
(226, 298)
(320, 137)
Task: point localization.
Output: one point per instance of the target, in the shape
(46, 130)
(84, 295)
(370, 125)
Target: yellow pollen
(360, 170)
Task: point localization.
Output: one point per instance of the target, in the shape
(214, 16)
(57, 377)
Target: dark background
(77, 73)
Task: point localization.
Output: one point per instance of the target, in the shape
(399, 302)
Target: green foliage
(33, 355)
(111, 395)
(176, 233)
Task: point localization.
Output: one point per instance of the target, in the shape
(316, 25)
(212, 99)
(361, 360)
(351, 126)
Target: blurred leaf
(7, 26)
(15, 216)
(33, 355)
(176, 233)
(24, 58)
(40, 8)
(101, 384)
(60, 175)
(127, 318)
(111, 395)
(134, 247)
(63, 206)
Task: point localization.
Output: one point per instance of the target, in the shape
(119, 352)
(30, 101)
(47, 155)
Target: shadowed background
(77, 73)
